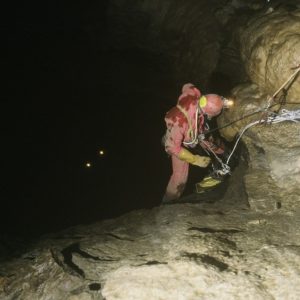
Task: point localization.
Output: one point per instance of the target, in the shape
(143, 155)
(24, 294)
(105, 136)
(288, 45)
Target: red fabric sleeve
(173, 139)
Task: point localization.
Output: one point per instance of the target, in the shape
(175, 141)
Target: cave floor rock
(180, 251)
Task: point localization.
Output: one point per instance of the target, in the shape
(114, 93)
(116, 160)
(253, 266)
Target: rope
(190, 132)
(287, 81)
(270, 100)
(285, 115)
(247, 116)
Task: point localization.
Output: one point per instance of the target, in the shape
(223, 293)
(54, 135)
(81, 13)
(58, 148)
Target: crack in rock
(95, 286)
(207, 260)
(75, 248)
(118, 237)
(153, 262)
(229, 243)
(212, 230)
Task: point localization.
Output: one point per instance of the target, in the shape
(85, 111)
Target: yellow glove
(202, 161)
(197, 160)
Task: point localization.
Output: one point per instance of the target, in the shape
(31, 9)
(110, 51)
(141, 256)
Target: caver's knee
(173, 193)
(174, 190)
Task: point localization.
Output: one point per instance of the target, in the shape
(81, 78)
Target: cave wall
(252, 48)
(189, 34)
(270, 45)
(270, 50)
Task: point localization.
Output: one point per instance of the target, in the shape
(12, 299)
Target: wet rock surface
(180, 251)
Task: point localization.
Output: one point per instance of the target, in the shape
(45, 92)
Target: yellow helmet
(211, 104)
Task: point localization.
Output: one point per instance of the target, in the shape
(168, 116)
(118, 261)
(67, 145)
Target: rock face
(221, 250)
(182, 251)
(270, 47)
(187, 34)
(257, 44)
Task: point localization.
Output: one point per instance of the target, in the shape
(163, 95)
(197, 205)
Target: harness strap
(190, 130)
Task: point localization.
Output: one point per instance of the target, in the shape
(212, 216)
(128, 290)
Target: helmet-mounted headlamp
(227, 103)
(212, 104)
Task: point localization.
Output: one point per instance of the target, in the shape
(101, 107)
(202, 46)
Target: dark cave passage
(83, 95)
(113, 100)
(118, 107)
(84, 169)
(102, 77)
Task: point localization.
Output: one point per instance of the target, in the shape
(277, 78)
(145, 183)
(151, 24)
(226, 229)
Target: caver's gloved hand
(197, 160)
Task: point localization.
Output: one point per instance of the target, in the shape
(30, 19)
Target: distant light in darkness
(101, 152)
(88, 165)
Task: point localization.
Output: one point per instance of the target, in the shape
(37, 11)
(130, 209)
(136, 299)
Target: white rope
(195, 137)
(225, 168)
(297, 70)
(292, 77)
(284, 115)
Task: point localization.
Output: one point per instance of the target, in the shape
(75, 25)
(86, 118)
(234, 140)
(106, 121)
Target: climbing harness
(200, 139)
(225, 169)
(216, 176)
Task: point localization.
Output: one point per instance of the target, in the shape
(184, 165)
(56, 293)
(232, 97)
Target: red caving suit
(177, 133)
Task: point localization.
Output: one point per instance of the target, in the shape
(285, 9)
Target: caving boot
(207, 183)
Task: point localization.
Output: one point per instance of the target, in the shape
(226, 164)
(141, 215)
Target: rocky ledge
(181, 251)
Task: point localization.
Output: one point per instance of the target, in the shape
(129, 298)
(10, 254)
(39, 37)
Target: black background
(67, 94)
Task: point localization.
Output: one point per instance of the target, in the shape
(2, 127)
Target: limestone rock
(248, 102)
(220, 250)
(182, 251)
(272, 179)
(270, 48)
(187, 34)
